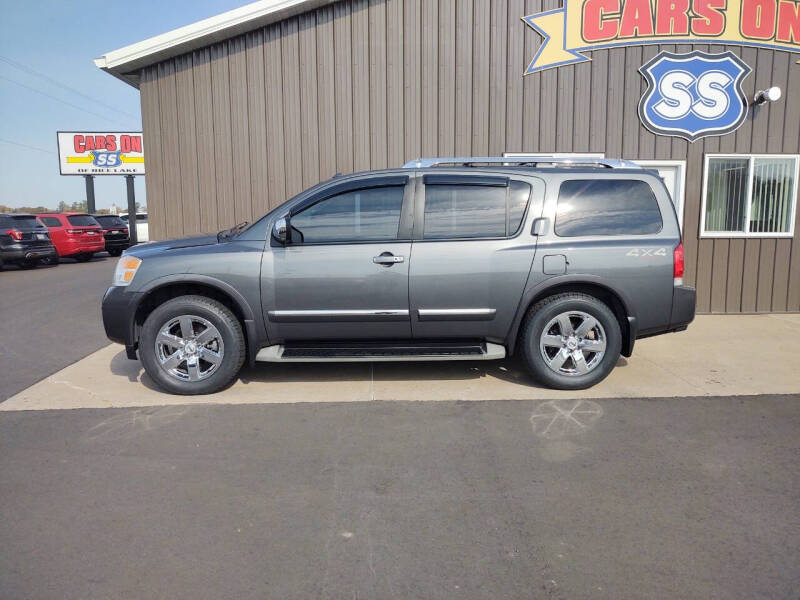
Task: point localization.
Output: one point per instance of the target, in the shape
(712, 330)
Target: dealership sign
(694, 95)
(585, 25)
(100, 153)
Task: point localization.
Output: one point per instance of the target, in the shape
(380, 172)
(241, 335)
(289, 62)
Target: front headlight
(126, 269)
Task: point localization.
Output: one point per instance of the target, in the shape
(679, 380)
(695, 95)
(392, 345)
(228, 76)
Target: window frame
(474, 180)
(608, 236)
(750, 173)
(339, 188)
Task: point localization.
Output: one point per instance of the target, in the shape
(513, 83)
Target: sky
(48, 83)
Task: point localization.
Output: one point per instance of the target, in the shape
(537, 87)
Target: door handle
(387, 259)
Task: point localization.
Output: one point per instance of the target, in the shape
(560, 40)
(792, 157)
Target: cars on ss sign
(75, 235)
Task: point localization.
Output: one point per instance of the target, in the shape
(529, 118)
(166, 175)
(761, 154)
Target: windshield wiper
(226, 234)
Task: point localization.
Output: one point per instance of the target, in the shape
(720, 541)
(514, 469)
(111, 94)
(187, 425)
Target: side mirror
(279, 231)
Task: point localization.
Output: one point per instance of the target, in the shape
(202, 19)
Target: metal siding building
(238, 126)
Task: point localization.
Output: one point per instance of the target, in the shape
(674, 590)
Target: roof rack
(533, 161)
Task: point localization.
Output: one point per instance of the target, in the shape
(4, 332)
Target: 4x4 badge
(694, 95)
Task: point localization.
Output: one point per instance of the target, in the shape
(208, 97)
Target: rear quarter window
(606, 207)
(82, 221)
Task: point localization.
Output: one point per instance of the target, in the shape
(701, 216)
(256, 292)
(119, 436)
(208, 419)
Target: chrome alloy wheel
(573, 343)
(189, 348)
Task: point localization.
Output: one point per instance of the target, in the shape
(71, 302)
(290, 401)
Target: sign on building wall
(585, 25)
(694, 95)
(100, 153)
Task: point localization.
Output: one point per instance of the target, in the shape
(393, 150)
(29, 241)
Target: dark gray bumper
(21, 252)
(119, 311)
(684, 299)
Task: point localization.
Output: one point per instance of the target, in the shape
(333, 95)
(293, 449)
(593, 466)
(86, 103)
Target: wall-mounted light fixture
(772, 94)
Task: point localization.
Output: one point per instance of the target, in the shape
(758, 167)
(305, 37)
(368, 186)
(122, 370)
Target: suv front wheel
(571, 341)
(192, 345)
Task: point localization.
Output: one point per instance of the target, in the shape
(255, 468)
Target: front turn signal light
(126, 269)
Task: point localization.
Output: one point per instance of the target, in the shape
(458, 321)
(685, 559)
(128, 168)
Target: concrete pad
(718, 355)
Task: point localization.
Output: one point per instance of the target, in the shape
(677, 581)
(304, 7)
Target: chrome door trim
(331, 316)
(456, 314)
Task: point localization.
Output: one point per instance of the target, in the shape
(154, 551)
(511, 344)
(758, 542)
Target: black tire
(85, 257)
(541, 314)
(51, 260)
(115, 252)
(29, 263)
(221, 317)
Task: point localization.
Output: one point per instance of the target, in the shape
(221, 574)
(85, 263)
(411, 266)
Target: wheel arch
(610, 294)
(164, 289)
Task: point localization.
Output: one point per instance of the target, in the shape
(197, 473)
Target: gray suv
(564, 263)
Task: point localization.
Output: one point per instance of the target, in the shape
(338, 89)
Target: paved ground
(710, 358)
(50, 319)
(620, 498)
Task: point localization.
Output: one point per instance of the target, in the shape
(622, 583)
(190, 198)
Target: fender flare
(250, 330)
(575, 279)
(226, 288)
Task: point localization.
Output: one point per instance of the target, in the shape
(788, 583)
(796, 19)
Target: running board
(356, 352)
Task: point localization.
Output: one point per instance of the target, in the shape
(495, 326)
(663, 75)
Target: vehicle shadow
(132, 370)
(510, 370)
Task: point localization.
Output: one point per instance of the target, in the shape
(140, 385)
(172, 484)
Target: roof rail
(533, 161)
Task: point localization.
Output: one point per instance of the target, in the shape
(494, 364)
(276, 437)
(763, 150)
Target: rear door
(615, 229)
(472, 253)
(345, 273)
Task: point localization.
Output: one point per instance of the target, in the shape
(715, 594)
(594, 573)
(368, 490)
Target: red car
(75, 235)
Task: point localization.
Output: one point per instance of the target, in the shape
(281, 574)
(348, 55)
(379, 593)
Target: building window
(749, 195)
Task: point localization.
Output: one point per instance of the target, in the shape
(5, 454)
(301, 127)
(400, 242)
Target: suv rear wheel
(192, 345)
(571, 341)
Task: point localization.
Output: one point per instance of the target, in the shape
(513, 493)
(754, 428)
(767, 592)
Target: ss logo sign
(640, 252)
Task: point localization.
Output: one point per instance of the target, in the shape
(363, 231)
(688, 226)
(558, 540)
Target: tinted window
(606, 207)
(141, 217)
(360, 215)
(22, 221)
(82, 221)
(518, 195)
(51, 221)
(464, 211)
(110, 221)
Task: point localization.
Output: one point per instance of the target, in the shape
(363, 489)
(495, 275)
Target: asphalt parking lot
(619, 498)
(50, 318)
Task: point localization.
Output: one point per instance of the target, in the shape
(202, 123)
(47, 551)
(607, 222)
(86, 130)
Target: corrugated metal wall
(238, 127)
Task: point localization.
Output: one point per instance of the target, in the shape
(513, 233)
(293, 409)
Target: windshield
(82, 221)
(110, 221)
(24, 221)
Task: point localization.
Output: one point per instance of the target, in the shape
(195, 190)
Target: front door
(344, 275)
(472, 254)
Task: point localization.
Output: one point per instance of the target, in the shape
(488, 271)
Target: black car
(24, 241)
(115, 231)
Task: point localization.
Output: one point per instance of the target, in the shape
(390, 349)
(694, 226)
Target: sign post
(131, 210)
(89, 193)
